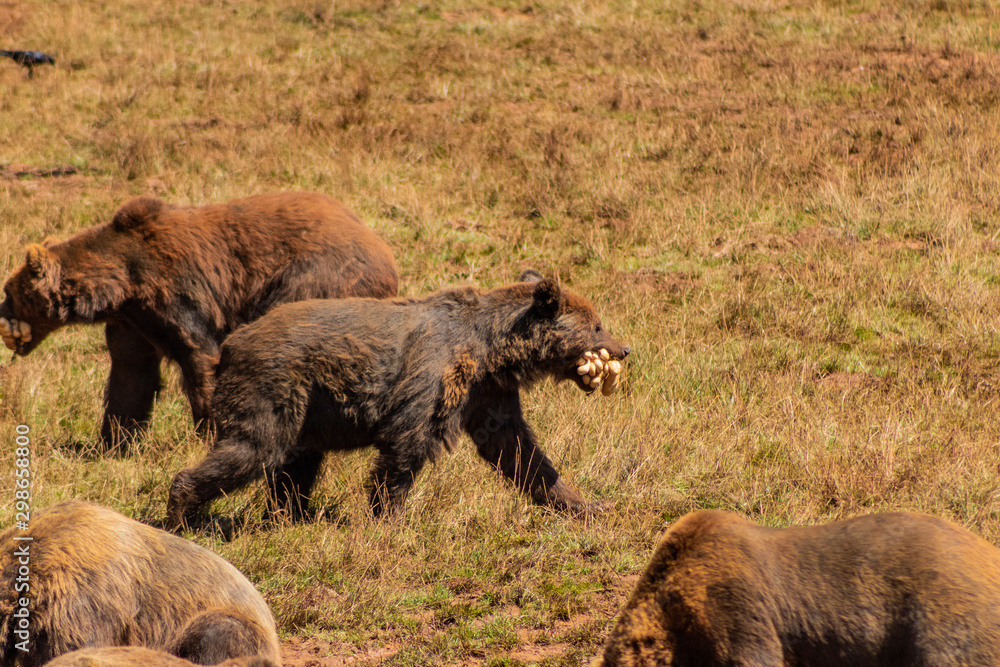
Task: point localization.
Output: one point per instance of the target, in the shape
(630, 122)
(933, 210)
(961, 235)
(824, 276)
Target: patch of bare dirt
(44, 180)
(300, 652)
(921, 244)
(490, 13)
(815, 237)
(648, 280)
(18, 170)
(531, 654)
(536, 644)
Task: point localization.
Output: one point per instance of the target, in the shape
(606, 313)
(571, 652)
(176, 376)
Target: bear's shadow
(250, 519)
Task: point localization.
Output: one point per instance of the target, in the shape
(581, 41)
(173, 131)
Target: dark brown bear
(173, 282)
(405, 376)
(91, 578)
(885, 589)
(130, 656)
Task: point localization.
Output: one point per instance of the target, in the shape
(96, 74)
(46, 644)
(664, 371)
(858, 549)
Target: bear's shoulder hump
(136, 212)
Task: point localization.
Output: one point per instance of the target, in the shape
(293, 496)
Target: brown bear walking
(130, 656)
(173, 282)
(91, 578)
(885, 589)
(403, 375)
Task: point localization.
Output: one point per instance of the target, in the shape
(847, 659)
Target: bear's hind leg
(132, 386)
(392, 478)
(231, 464)
(292, 484)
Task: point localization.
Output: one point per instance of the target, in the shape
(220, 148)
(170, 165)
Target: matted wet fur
(98, 579)
(884, 589)
(406, 376)
(173, 281)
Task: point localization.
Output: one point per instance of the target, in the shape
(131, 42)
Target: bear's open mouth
(598, 369)
(14, 331)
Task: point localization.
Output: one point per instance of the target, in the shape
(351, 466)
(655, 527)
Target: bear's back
(248, 255)
(903, 586)
(272, 224)
(919, 554)
(97, 576)
(293, 327)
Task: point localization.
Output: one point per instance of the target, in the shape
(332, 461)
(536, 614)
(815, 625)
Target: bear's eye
(598, 329)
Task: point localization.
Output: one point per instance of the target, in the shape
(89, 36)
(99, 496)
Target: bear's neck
(92, 285)
(516, 345)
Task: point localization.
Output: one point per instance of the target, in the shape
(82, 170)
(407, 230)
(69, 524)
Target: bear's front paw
(598, 369)
(588, 509)
(598, 507)
(13, 332)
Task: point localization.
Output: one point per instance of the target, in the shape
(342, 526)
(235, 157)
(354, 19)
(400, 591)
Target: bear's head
(33, 305)
(574, 332)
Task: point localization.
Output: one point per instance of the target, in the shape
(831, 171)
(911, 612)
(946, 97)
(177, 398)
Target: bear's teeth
(9, 342)
(589, 355)
(610, 384)
(598, 366)
(605, 355)
(25, 329)
(5, 330)
(584, 370)
(596, 382)
(614, 367)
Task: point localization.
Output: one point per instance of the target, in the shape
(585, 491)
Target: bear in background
(98, 579)
(405, 376)
(130, 656)
(884, 589)
(173, 281)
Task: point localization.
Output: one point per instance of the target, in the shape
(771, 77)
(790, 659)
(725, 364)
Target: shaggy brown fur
(173, 282)
(129, 656)
(98, 579)
(885, 589)
(403, 375)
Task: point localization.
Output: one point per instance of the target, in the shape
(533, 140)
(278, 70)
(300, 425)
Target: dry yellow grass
(790, 210)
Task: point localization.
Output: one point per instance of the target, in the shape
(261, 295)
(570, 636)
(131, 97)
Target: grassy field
(790, 210)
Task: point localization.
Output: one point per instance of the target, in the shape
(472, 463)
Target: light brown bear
(91, 578)
(884, 589)
(130, 656)
(173, 281)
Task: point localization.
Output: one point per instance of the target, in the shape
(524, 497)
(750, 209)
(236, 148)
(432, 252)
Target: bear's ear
(530, 276)
(548, 298)
(50, 241)
(41, 262)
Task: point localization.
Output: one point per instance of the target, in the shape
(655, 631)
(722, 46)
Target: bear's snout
(617, 350)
